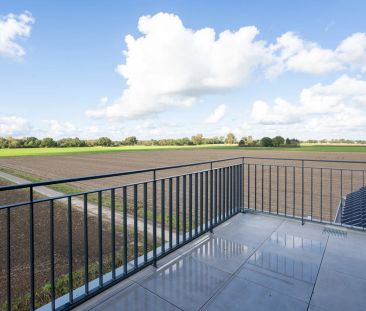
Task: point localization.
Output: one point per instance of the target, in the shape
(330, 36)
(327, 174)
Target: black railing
(73, 246)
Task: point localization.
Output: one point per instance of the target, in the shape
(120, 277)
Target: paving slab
(243, 295)
(188, 283)
(338, 291)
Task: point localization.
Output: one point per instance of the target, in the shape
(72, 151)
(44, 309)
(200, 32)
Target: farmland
(269, 185)
(91, 150)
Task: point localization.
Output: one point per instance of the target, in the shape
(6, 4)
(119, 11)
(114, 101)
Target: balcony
(240, 233)
(251, 262)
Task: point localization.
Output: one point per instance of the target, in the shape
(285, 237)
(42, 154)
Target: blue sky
(285, 76)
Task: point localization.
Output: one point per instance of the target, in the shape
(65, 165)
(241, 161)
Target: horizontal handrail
(156, 169)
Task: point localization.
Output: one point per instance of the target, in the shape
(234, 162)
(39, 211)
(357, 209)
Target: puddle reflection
(295, 269)
(291, 241)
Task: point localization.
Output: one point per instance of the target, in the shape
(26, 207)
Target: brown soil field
(278, 186)
(286, 196)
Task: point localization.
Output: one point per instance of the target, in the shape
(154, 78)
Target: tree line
(198, 139)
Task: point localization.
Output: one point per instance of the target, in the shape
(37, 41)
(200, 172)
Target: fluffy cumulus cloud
(292, 53)
(217, 114)
(14, 126)
(171, 65)
(339, 106)
(13, 27)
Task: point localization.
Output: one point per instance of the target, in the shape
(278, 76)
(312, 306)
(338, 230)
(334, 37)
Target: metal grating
(335, 232)
(354, 209)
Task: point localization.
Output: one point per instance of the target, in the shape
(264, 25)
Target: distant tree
(48, 142)
(278, 141)
(266, 142)
(103, 141)
(197, 139)
(31, 142)
(241, 143)
(230, 139)
(131, 140)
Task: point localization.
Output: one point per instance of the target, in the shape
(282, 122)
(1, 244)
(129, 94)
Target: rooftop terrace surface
(252, 262)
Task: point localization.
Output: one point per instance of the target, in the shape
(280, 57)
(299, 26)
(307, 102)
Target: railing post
(154, 219)
(211, 198)
(302, 192)
(243, 185)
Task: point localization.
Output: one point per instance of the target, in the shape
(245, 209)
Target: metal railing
(73, 246)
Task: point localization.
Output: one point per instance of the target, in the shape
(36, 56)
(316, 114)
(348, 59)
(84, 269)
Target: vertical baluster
(190, 205)
(135, 226)
(321, 194)
(201, 202)
(70, 254)
(331, 195)
(302, 191)
(285, 190)
(86, 245)
(311, 193)
(113, 233)
(206, 201)
(31, 248)
(154, 219)
(8, 259)
(262, 188)
(255, 186)
(100, 238)
(162, 189)
(196, 203)
(177, 210)
(184, 207)
(270, 188)
(277, 187)
(216, 196)
(248, 173)
(125, 232)
(145, 222)
(170, 213)
(52, 254)
(211, 199)
(293, 190)
(220, 195)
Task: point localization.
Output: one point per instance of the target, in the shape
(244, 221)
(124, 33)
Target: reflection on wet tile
(135, 298)
(300, 270)
(291, 241)
(222, 254)
(188, 283)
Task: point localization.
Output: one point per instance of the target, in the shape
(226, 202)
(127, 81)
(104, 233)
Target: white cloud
(13, 27)
(217, 114)
(336, 107)
(352, 51)
(292, 53)
(282, 112)
(14, 126)
(171, 65)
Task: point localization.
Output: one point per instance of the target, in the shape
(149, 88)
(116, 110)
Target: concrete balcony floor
(252, 262)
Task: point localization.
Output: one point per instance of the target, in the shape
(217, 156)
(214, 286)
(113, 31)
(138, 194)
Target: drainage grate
(335, 232)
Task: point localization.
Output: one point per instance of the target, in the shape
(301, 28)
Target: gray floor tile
(188, 283)
(277, 282)
(338, 291)
(298, 268)
(243, 295)
(243, 234)
(222, 254)
(135, 298)
(308, 230)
